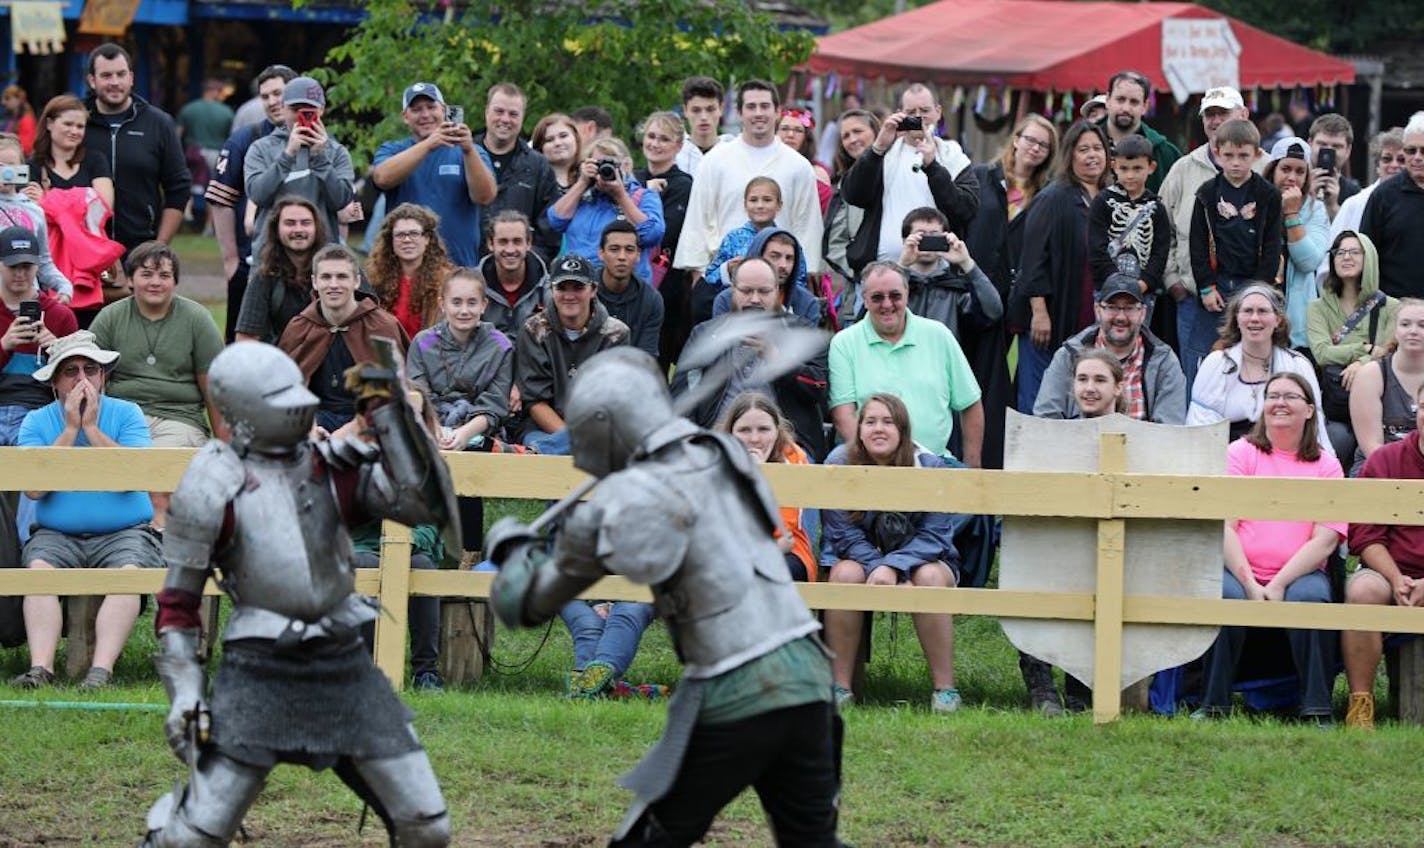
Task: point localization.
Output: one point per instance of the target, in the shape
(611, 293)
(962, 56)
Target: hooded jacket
(1179, 196)
(640, 307)
(1268, 231)
(146, 159)
(946, 293)
(323, 175)
(1164, 386)
(546, 359)
(508, 319)
(1326, 316)
(470, 378)
(308, 337)
(799, 299)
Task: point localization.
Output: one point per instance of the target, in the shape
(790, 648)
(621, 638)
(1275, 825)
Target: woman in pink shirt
(1279, 560)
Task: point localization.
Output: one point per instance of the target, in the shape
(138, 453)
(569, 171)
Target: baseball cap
(573, 267)
(1221, 98)
(421, 89)
(1100, 100)
(1293, 147)
(304, 91)
(1119, 283)
(18, 246)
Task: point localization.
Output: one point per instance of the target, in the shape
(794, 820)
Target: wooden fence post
(1107, 608)
(391, 627)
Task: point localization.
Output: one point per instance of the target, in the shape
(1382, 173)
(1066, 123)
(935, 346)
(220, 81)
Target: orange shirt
(791, 517)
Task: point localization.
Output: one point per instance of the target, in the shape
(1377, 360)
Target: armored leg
(212, 806)
(407, 789)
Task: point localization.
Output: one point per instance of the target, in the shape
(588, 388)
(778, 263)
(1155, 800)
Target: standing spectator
(1391, 570)
(299, 158)
(593, 123)
(557, 137)
(1383, 392)
(61, 159)
(514, 274)
(1306, 226)
(205, 123)
(1151, 384)
(408, 265)
(439, 167)
(1126, 217)
(1094, 109)
(1387, 151)
(843, 220)
(662, 141)
(335, 332)
(1128, 95)
(1196, 327)
(1331, 185)
(1394, 218)
(762, 201)
(165, 344)
(907, 168)
(831, 135)
(797, 130)
(226, 194)
(151, 179)
(702, 105)
(524, 181)
(915, 358)
(553, 344)
(622, 292)
(84, 529)
(281, 283)
(23, 336)
(945, 284)
(1279, 560)
(1053, 296)
(18, 116)
(715, 206)
(605, 191)
(995, 239)
(891, 548)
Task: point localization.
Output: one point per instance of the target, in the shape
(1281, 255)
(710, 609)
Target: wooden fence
(1110, 496)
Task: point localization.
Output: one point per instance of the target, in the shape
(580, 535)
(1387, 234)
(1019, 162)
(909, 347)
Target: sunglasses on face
(881, 297)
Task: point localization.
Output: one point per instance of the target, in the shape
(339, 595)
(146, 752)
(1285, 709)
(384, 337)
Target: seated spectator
(552, 345)
(335, 332)
(1381, 396)
(422, 611)
(465, 367)
(18, 209)
(781, 249)
(754, 420)
(1255, 343)
(84, 529)
(801, 392)
(514, 274)
(1307, 228)
(24, 330)
(280, 286)
(1279, 560)
(1391, 569)
(763, 204)
(890, 549)
(1153, 387)
(407, 266)
(606, 635)
(600, 194)
(945, 284)
(1098, 388)
(1349, 326)
(628, 297)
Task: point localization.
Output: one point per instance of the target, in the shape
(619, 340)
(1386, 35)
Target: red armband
(177, 609)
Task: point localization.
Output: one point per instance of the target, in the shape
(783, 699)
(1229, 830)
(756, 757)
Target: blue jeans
(1198, 329)
(1033, 362)
(613, 640)
(549, 444)
(331, 421)
(10, 418)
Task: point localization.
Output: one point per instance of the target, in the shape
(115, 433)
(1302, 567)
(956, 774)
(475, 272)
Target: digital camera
(15, 175)
(608, 170)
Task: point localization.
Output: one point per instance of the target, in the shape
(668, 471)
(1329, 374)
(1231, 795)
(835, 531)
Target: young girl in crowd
(756, 421)
(762, 200)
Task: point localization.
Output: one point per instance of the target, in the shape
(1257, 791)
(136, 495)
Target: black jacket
(864, 186)
(674, 197)
(1267, 224)
(146, 158)
(1394, 220)
(525, 184)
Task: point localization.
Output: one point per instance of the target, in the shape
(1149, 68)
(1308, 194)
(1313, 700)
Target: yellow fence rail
(1110, 496)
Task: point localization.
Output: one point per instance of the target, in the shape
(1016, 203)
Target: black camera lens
(912, 122)
(608, 170)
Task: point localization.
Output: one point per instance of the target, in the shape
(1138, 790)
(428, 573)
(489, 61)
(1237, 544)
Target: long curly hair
(384, 271)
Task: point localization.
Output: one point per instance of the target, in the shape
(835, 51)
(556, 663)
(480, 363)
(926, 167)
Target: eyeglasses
(90, 370)
(1288, 397)
(881, 297)
(1348, 251)
(1120, 308)
(1411, 152)
(1035, 143)
(1400, 159)
(409, 235)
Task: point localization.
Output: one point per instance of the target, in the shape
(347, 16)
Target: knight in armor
(685, 511)
(268, 510)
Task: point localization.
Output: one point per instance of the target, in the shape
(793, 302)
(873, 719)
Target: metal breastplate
(290, 552)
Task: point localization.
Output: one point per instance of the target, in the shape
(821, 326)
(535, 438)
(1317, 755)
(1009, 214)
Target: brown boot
(1361, 712)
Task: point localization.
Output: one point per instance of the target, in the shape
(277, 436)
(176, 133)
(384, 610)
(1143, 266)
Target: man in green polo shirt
(915, 358)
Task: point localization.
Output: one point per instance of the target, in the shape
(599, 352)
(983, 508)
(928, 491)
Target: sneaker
(428, 681)
(946, 701)
(38, 676)
(1361, 712)
(97, 678)
(1207, 713)
(1046, 702)
(625, 691)
(593, 681)
(842, 696)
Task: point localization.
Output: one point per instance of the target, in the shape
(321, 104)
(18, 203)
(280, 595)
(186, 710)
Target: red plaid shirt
(1134, 400)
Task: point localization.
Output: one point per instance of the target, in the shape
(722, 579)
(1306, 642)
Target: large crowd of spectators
(955, 291)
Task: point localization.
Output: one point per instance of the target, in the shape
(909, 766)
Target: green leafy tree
(627, 56)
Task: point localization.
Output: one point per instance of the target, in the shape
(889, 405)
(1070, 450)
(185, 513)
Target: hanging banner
(107, 17)
(37, 27)
(1199, 54)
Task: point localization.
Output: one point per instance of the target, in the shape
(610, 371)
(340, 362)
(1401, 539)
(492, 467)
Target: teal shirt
(797, 673)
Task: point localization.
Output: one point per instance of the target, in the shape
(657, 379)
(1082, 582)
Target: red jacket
(77, 243)
(1399, 460)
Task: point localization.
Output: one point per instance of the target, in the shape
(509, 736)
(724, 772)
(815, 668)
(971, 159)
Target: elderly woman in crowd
(1255, 343)
(1279, 560)
(1053, 296)
(556, 136)
(797, 130)
(408, 265)
(1382, 397)
(603, 190)
(756, 421)
(1348, 326)
(891, 549)
(1307, 230)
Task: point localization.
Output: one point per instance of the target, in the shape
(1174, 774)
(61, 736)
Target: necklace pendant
(151, 360)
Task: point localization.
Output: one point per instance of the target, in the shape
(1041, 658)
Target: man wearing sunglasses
(1394, 218)
(84, 529)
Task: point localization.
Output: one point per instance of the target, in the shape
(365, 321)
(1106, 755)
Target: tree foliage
(629, 57)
